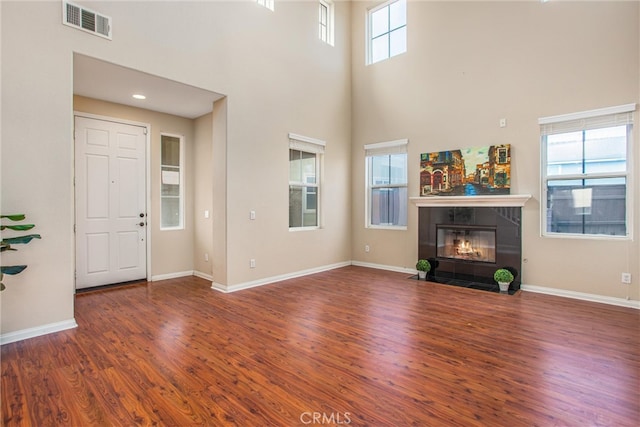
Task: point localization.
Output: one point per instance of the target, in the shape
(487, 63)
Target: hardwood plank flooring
(352, 346)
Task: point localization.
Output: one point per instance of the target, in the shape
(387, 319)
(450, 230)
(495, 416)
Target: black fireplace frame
(505, 220)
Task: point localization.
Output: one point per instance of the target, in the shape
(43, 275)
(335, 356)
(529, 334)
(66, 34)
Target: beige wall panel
(468, 65)
(203, 194)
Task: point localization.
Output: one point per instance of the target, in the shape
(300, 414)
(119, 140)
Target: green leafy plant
(7, 242)
(503, 275)
(423, 265)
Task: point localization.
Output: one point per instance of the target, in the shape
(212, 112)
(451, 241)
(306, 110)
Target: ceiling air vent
(86, 20)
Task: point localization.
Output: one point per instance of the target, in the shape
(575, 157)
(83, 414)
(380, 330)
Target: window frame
(268, 4)
(330, 31)
(379, 149)
(369, 30)
(602, 118)
(317, 148)
(181, 189)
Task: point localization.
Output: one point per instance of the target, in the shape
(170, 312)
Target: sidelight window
(172, 182)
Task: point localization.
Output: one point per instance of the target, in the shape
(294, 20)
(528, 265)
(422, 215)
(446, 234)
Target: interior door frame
(147, 189)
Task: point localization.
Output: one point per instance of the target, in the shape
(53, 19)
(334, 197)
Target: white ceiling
(97, 79)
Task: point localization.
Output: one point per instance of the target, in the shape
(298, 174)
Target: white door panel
(110, 199)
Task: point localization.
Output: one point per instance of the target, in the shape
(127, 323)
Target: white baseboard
(385, 267)
(581, 296)
(175, 275)
(37, 331)
(202, 275)
(246, 285)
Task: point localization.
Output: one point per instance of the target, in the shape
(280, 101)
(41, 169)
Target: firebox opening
(466, 242)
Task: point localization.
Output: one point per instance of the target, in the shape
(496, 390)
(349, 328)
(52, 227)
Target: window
(586, 172)
(172, 177)
(325, 21)
(269, 4)
(304, 181)
(386, 30)
(386, 169)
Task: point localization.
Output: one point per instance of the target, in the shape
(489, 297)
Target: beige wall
(468, 65)
(203, 194)
(277, 78)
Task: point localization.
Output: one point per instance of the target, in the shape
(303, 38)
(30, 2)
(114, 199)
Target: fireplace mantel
(510, 200)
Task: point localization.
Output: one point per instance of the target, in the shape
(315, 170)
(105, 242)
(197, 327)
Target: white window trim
(622, 114)
(269, 4)
(398, 146)
(181, 225)
(317, 147)
(330, 22)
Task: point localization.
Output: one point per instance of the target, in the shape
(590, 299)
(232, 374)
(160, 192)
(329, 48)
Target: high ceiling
(97, 79)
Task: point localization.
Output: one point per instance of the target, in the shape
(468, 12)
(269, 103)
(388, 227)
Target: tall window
(586, 172)
(172, 178)
(386, 30)
(304, 181)
(386, 168)
(325, 21)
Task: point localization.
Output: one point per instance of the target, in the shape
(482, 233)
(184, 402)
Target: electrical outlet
(252, 263)
(366, 248)
(626, 278)
(252, 215)
(206, 257)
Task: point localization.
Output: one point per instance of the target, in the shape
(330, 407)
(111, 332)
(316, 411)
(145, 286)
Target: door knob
(141, 224)
(141, 215)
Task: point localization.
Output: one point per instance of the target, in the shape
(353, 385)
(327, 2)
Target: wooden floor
(352, 346)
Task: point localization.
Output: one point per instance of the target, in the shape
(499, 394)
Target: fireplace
(467, 244)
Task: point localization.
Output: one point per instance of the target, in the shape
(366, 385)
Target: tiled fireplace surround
(464, 215)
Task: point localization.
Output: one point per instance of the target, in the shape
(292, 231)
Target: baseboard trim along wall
(37, 331)
(582, 296)
(175, 275)
(267, 280)
(385, 267)
(202, 275)
(531, 288)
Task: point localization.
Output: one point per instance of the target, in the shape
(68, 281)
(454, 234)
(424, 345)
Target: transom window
(269, 4)
(386, 169)
(304, 181)
(325, 21)
(386, 30)
(585, 172)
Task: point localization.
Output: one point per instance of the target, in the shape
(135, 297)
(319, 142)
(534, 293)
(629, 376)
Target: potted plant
(7, 242)
(504, 278)
(423, 266)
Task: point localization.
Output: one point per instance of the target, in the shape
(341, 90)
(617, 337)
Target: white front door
(111, 211)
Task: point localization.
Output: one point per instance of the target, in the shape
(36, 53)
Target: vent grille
(86, 20)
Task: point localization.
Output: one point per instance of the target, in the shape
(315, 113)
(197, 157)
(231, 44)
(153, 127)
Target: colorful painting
(470, 172)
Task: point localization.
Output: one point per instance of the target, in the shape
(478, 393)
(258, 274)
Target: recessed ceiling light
(139, 96)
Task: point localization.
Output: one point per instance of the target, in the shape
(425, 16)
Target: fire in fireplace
(465, 242)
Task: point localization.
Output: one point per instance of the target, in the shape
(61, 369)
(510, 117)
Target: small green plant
(423, 265)
(5, 244)
(502, 275)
